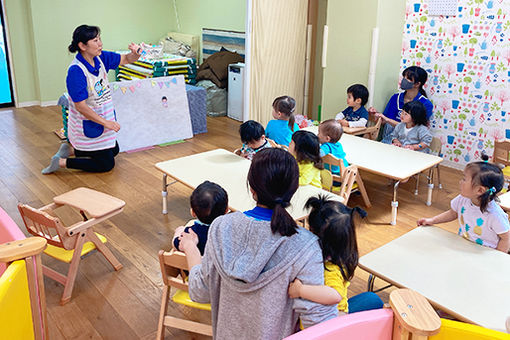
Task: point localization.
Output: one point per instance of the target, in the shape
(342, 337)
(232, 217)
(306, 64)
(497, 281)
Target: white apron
(84, 134)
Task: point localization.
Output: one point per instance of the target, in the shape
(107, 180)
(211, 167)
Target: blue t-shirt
(76, 81)
(201, 230)
(279, 131)
(336, 150)
(260, 214)
(353, 116)
(396, 104)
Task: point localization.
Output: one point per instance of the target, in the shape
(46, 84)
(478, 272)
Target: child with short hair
(355, 115)
(253, 138)
(413, 133)
(208, 201)
(333, 223)
(281, 128)
(305, 147)
(330, 132)
(481, 219)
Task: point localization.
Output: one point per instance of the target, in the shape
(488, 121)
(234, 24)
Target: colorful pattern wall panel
(467, 57)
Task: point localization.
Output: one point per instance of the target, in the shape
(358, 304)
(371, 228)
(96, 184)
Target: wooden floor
(125, 304)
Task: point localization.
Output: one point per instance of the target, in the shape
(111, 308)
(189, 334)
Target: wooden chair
(173, 270)
(435, 149)
(276, 145)
(372, 132)
(69, 244)
(501, 155)
(349, 177)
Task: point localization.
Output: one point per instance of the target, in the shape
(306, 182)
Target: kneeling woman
(92, 124)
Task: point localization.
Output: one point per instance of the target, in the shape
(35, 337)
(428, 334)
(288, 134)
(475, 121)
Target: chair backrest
(331, 160)
(372, 131)
(40, 223)
(173, 269)
(347, 176)
(276, 145)
(373, 324)
(502, 152)
(436, 146)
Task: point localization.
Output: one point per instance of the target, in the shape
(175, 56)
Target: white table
(468, 281)
(230, 171)
(504, 201)
(387, 160)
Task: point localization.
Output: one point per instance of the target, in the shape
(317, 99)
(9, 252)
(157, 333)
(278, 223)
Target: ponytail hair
(333, 223)
(287, 106)
(274, 177)
(82, 34)
(417, 74)
(488, 175)
(307, 148)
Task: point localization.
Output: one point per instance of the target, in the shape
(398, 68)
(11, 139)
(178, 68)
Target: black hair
(416, 74)
(359, 91)
(333, 223)
(417, 111)
(286, 105)
(164, 97)
(333, 129)
(274, 177)
(208, 201)
(488, 175)
(82, 34)
(251, 131)
(308, 148)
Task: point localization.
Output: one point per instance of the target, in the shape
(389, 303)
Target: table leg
(394, 204)
(371, 281)
(164, 193)
(430, 186)
(417, 183)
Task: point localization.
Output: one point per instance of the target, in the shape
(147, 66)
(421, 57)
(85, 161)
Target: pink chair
(9, 231)
(372, 324)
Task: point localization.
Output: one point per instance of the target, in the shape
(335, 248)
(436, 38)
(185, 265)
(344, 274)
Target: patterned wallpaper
(467, 57)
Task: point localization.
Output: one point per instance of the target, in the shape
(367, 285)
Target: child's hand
(397, 143)
(424, 221)
(409, 146)
(135, 48)
(372, 110)
(295, 289)
(188, 240)
(343, 122)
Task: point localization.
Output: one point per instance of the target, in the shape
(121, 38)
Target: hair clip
(491, 190)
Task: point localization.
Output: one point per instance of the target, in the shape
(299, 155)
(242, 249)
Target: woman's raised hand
(112, 125)
(135, 48)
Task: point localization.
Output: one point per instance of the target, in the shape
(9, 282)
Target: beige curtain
(278, 45)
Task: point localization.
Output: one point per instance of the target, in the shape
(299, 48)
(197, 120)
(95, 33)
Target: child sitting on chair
(281, 128)
(253, 138)
(305, 147)
(208, 201)
(330, 132)
(413, 133)
(355, 115)
(481, 219)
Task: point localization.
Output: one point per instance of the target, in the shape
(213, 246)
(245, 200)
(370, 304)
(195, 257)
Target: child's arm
(446, 216)
(321, 294)
(396, 142)
(175, 240)
(416, 147)
(504, 242)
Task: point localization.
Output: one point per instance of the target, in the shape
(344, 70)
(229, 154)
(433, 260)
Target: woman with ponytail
(333, 223)
(413, 79)
(251, 257)
(92, 124)
(481, 220)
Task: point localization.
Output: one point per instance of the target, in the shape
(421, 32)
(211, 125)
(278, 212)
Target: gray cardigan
(245, 275)
(418, 134)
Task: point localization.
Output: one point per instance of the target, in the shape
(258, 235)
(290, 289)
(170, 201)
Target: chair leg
(103, 249)
(363, 191)
(162, 313)
(73, 269)
(439, 185)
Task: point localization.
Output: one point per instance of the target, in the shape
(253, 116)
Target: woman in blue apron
(92, 124)
(414, 77)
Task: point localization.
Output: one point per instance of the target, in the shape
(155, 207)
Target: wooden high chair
(372, 132)
(349, 177)
(69, 244)
(501, 155)
(173, 266)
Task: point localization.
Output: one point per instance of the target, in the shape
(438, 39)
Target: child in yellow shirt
(333, 223)
(306, 148)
